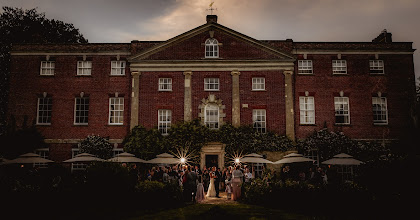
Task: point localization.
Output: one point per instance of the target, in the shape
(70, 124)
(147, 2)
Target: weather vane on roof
(211, 9)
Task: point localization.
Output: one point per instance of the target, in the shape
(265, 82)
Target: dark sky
(301, 20)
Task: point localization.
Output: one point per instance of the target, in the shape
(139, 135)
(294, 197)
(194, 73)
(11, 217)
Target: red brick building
(217, 75)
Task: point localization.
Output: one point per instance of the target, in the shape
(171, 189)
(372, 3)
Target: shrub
(256, 191)
(159, 194)
(106, 177)
(96, 145)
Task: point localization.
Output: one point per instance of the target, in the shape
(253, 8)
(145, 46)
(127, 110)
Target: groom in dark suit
(217, 178)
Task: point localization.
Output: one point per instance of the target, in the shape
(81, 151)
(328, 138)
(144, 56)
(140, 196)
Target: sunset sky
(300, 20)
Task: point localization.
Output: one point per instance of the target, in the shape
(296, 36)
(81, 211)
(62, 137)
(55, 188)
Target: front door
(212, 160)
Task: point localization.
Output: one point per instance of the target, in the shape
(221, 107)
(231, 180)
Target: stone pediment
(189, 46)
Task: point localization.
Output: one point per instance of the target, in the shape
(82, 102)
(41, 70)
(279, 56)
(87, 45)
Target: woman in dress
(200, 196)
(211, 192)
(236, 183)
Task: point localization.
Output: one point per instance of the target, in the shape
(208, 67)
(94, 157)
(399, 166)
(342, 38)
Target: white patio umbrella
(164, 158)
(254, 158)
(28, 158)
(126, 158)
(83, 157)
(3, 161)
(293, 158)
(343, 159)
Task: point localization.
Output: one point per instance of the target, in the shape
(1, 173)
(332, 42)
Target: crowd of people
(197, 184)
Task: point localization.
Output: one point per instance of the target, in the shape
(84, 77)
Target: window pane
(307, 110)
(44, 110)
(212, 48)
(117, 67)
(339, 66)
(305, 66)
(259, 120)
(342, 110)
(116, 110)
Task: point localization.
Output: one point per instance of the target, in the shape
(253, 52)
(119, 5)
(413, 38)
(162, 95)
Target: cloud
(300, 20)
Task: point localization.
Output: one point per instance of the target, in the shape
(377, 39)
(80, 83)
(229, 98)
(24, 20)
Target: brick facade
(237, 52)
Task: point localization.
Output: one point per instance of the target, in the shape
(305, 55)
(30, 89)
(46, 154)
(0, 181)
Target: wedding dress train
(211, 192)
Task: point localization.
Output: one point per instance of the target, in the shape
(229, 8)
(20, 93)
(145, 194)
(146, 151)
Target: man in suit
(192, 183)
(217, 178)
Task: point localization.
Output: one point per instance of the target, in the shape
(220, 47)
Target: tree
(16, 141)
(144, 143)
(330, 143)
(246, 140)
(188, 136)
(96, 145)
(28, 26)
(417, 106)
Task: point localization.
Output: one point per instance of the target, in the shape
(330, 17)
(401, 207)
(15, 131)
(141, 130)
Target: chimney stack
(211, 19)
(384, 37)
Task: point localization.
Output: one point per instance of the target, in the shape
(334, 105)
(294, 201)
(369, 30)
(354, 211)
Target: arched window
(211, 117)
(212, 48)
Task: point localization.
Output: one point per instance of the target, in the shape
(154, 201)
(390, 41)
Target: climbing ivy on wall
(147, 143)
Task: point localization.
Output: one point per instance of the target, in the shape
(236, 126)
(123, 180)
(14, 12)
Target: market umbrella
(293, 158)
(28, 158)
(343, 159)
(254, 158)
(164, 158)
(83, 157)
(126, 158)
(3, 161)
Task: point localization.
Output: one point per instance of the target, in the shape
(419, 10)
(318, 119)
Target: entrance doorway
(212, 161)
(212, 155)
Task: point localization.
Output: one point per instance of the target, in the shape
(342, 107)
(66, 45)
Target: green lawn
(221, 211)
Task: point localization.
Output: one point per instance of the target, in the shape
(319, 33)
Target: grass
(221, 211)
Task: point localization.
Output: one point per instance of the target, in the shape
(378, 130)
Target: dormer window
(212, 48)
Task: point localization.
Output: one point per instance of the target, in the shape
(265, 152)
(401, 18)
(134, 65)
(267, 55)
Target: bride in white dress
(211, 192)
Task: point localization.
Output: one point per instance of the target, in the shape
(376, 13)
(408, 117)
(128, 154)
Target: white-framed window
(84, 68)
(258, 83)
(117, 151)
(77, 166)
(117, 68)
(211, 84)
(211, 117)
(312, 154)
(43, 116)
(339, 66)
(212, 48)
(376, 66)
(258, 169)
(116, 111)
(44, 153)
(307, 109)
(346, 172)
(165, 84)
(81, 110)
(342, 110)
(259, 120)
(47, 68)
(164, 120)
(305, 67)
(380, 111)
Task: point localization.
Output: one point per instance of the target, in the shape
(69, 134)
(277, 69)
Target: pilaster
(187, 96)
(290, 121)
(135, 87)
(236, 103)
